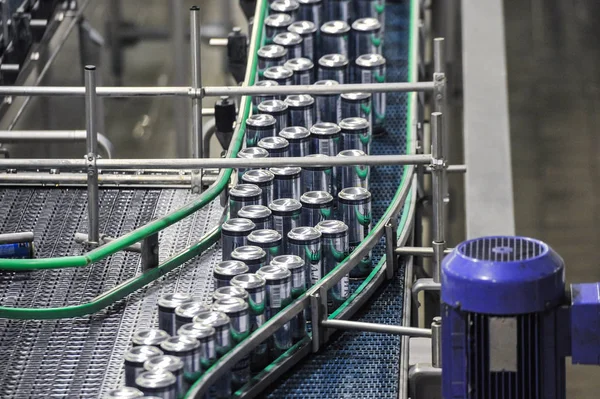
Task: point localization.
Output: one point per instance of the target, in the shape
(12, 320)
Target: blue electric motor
(508, 324)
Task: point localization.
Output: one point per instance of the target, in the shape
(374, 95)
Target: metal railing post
(92, 153)
(438, 164)
(196, 68)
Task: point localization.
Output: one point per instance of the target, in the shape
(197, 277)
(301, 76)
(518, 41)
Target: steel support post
(196, 69)
(92, 153)
(438, 165)
(436, 342)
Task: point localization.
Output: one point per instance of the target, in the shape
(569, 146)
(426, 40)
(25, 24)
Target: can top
(270, 106)
(230, 291)
(278, 72)
(285, 171)
(284, 5)
(155, 379)
(190, 309)
(257, 175)
(139, 354)
(354, 194)
(267, 83)
(327, 82)
(304, 233)
(294, 132)
(325, 129)
(327, 227)
(366, 24)
(254, 152)
(248, 281)
(271, 272)
(212, 318)
(231, 267)
(349, 153)
(287, 39)
(272, 51)
(172, 300)
(164, 362)
(285, 205)
(264, 236)
(124, 393)
(254, 212)
(335, 27)
(299, 100)
(291, 262)
(278, 20)
(298, 64)
(273, 143)
(179, 343)
(196, 330)
(260, 120)
(354, 123)
(238, 225)
(229, 305)
(309, 1)
(333, 60)
(302, 27)
(245, 190)
(248, 252)
(355, 96)
(370, 60)
(149, 336)
(316, 197)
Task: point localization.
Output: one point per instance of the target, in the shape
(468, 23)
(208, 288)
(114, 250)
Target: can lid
(248, 281)
(229, 305)
(124, 393)
(304, 233)
(285, 171)
(354, 123)
(165, 362)
(272, 51)
(299, 100)
(278, 20)
(149, 336)
(291, 262)
(287, 39)
(284, 5)
(324, 129)
(264, 236)
(231, 267)
(267, 83)
(327, 227)
(335, 27)
(285, 205)
(260, 120)
(172, 300)
(366, 24)
(370, 60)
(257, 175)
(302, 27)
(333, 60)
(270, 106)
(316, 197)
(230, 291)
(273, 143)
(139, 354)
(213, 318)
(299, 64)
(354, 194)
(349, 153)
(248, 252)
(254, 152)
(196, 330)
(238, 225)
(155, 379)
(179, 343)
(294, 132)
(271, 272)
(254, 212)
(191, 309)
(278, 72)
(245, 190)
(327, 82)
(355, 96)
(309, 1)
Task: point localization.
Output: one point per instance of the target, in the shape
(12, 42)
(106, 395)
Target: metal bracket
(423, 284)
(150, 252)
(391, 260)
(196, 180)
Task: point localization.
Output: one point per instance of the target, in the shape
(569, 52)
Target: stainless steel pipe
(378, 328)
(20, 136)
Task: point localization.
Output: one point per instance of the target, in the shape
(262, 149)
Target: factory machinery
(97, 252)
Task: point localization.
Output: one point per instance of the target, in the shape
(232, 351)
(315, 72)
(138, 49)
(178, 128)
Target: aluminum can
(317, 178)
(242, 195)
(292, 42)
(335, 35)
(356, 105)
(186, 312)
(260, 215)
(230, 292)
(263, 179)
(296, 266)
(366, 37)
(226, 270)
(134, 361)
(310, 10)
(286, 216)
(234, 234)
(205, 335)
(278, 147)
(301, 110)
(334, 236)
(370, 9)
(160, 383)
(257, 99)
(316, 207)
(254, 257)
(370, 68)
(166, 310)
(276, 23)
(269, 240)
(124, 393)
(282, 75)
(287, 182)
(304, 70)
(308, 31)
(185, 348)
(169, 363)
(278, 109)
(17, 250)
(356, 134)
(334, 66)
(339, 10)
(298, 138)
(260, 126)
(326, 137)
(305, 242)
(355, 209)
(252, 152)
(328, 105)
(149, 337)
(269, 56)
(352, 176)
(289, 7)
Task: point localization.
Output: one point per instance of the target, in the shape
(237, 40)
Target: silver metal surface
(91, 109)
(42, 136)
(436, 342)
(437, 178)
(378, 328)
(196, 68)
(419, 251)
